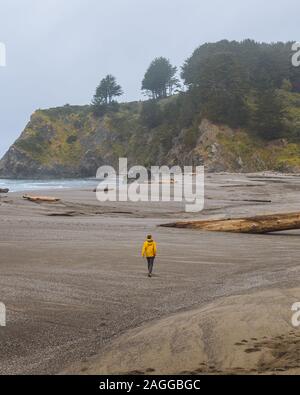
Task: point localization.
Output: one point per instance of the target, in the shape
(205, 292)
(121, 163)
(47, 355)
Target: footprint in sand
(252, 350)
(150, 370)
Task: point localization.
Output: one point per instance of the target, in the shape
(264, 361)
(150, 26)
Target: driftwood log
(256, 225)
(5, 190)
(41, 199)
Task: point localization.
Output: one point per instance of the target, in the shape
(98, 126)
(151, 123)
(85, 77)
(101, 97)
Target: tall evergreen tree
(160, 79)
(106, 91)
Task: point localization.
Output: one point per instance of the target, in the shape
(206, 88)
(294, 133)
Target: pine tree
(160, 79)
(106, 91)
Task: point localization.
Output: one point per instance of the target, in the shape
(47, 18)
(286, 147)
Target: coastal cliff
(237, 110)
(72, 142)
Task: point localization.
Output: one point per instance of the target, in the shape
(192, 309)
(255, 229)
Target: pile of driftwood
(5, 190)
(256, 225)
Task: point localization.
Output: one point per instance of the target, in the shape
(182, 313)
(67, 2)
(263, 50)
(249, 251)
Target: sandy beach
(79, 301)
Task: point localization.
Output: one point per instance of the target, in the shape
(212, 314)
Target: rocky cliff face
(221, 148)
(69, 142)
(62, 142)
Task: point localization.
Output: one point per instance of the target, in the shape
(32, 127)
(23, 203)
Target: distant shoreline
(16, 185)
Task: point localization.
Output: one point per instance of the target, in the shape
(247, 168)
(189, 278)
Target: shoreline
(76, 288)
(94, 181)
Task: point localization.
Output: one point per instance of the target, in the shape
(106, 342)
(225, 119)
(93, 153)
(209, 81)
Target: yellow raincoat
(149, 249)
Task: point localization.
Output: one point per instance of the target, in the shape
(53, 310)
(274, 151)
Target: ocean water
(39, 185)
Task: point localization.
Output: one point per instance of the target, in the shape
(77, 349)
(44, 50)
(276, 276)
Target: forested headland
(232, 106)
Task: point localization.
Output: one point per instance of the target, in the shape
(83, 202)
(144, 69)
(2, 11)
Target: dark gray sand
(72, 278)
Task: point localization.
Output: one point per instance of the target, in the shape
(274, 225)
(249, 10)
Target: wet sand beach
(79, 301)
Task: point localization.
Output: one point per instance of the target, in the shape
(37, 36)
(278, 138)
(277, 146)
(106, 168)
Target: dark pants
(150, 264)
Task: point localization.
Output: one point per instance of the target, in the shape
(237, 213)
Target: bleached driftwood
(40, 199)
(257, 225)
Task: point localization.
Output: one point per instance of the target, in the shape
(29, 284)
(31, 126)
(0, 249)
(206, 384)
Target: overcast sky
(58, 50)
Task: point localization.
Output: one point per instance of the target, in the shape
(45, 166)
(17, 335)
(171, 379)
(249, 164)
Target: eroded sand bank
(246, 334)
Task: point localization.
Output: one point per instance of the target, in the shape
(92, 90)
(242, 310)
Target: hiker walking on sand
(149, 251)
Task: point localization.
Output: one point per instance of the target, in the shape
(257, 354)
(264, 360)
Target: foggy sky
(59, 50)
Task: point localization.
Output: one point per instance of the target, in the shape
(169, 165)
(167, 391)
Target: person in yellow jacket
(149, 251)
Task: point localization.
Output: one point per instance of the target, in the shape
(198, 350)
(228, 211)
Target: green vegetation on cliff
(240, 111)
